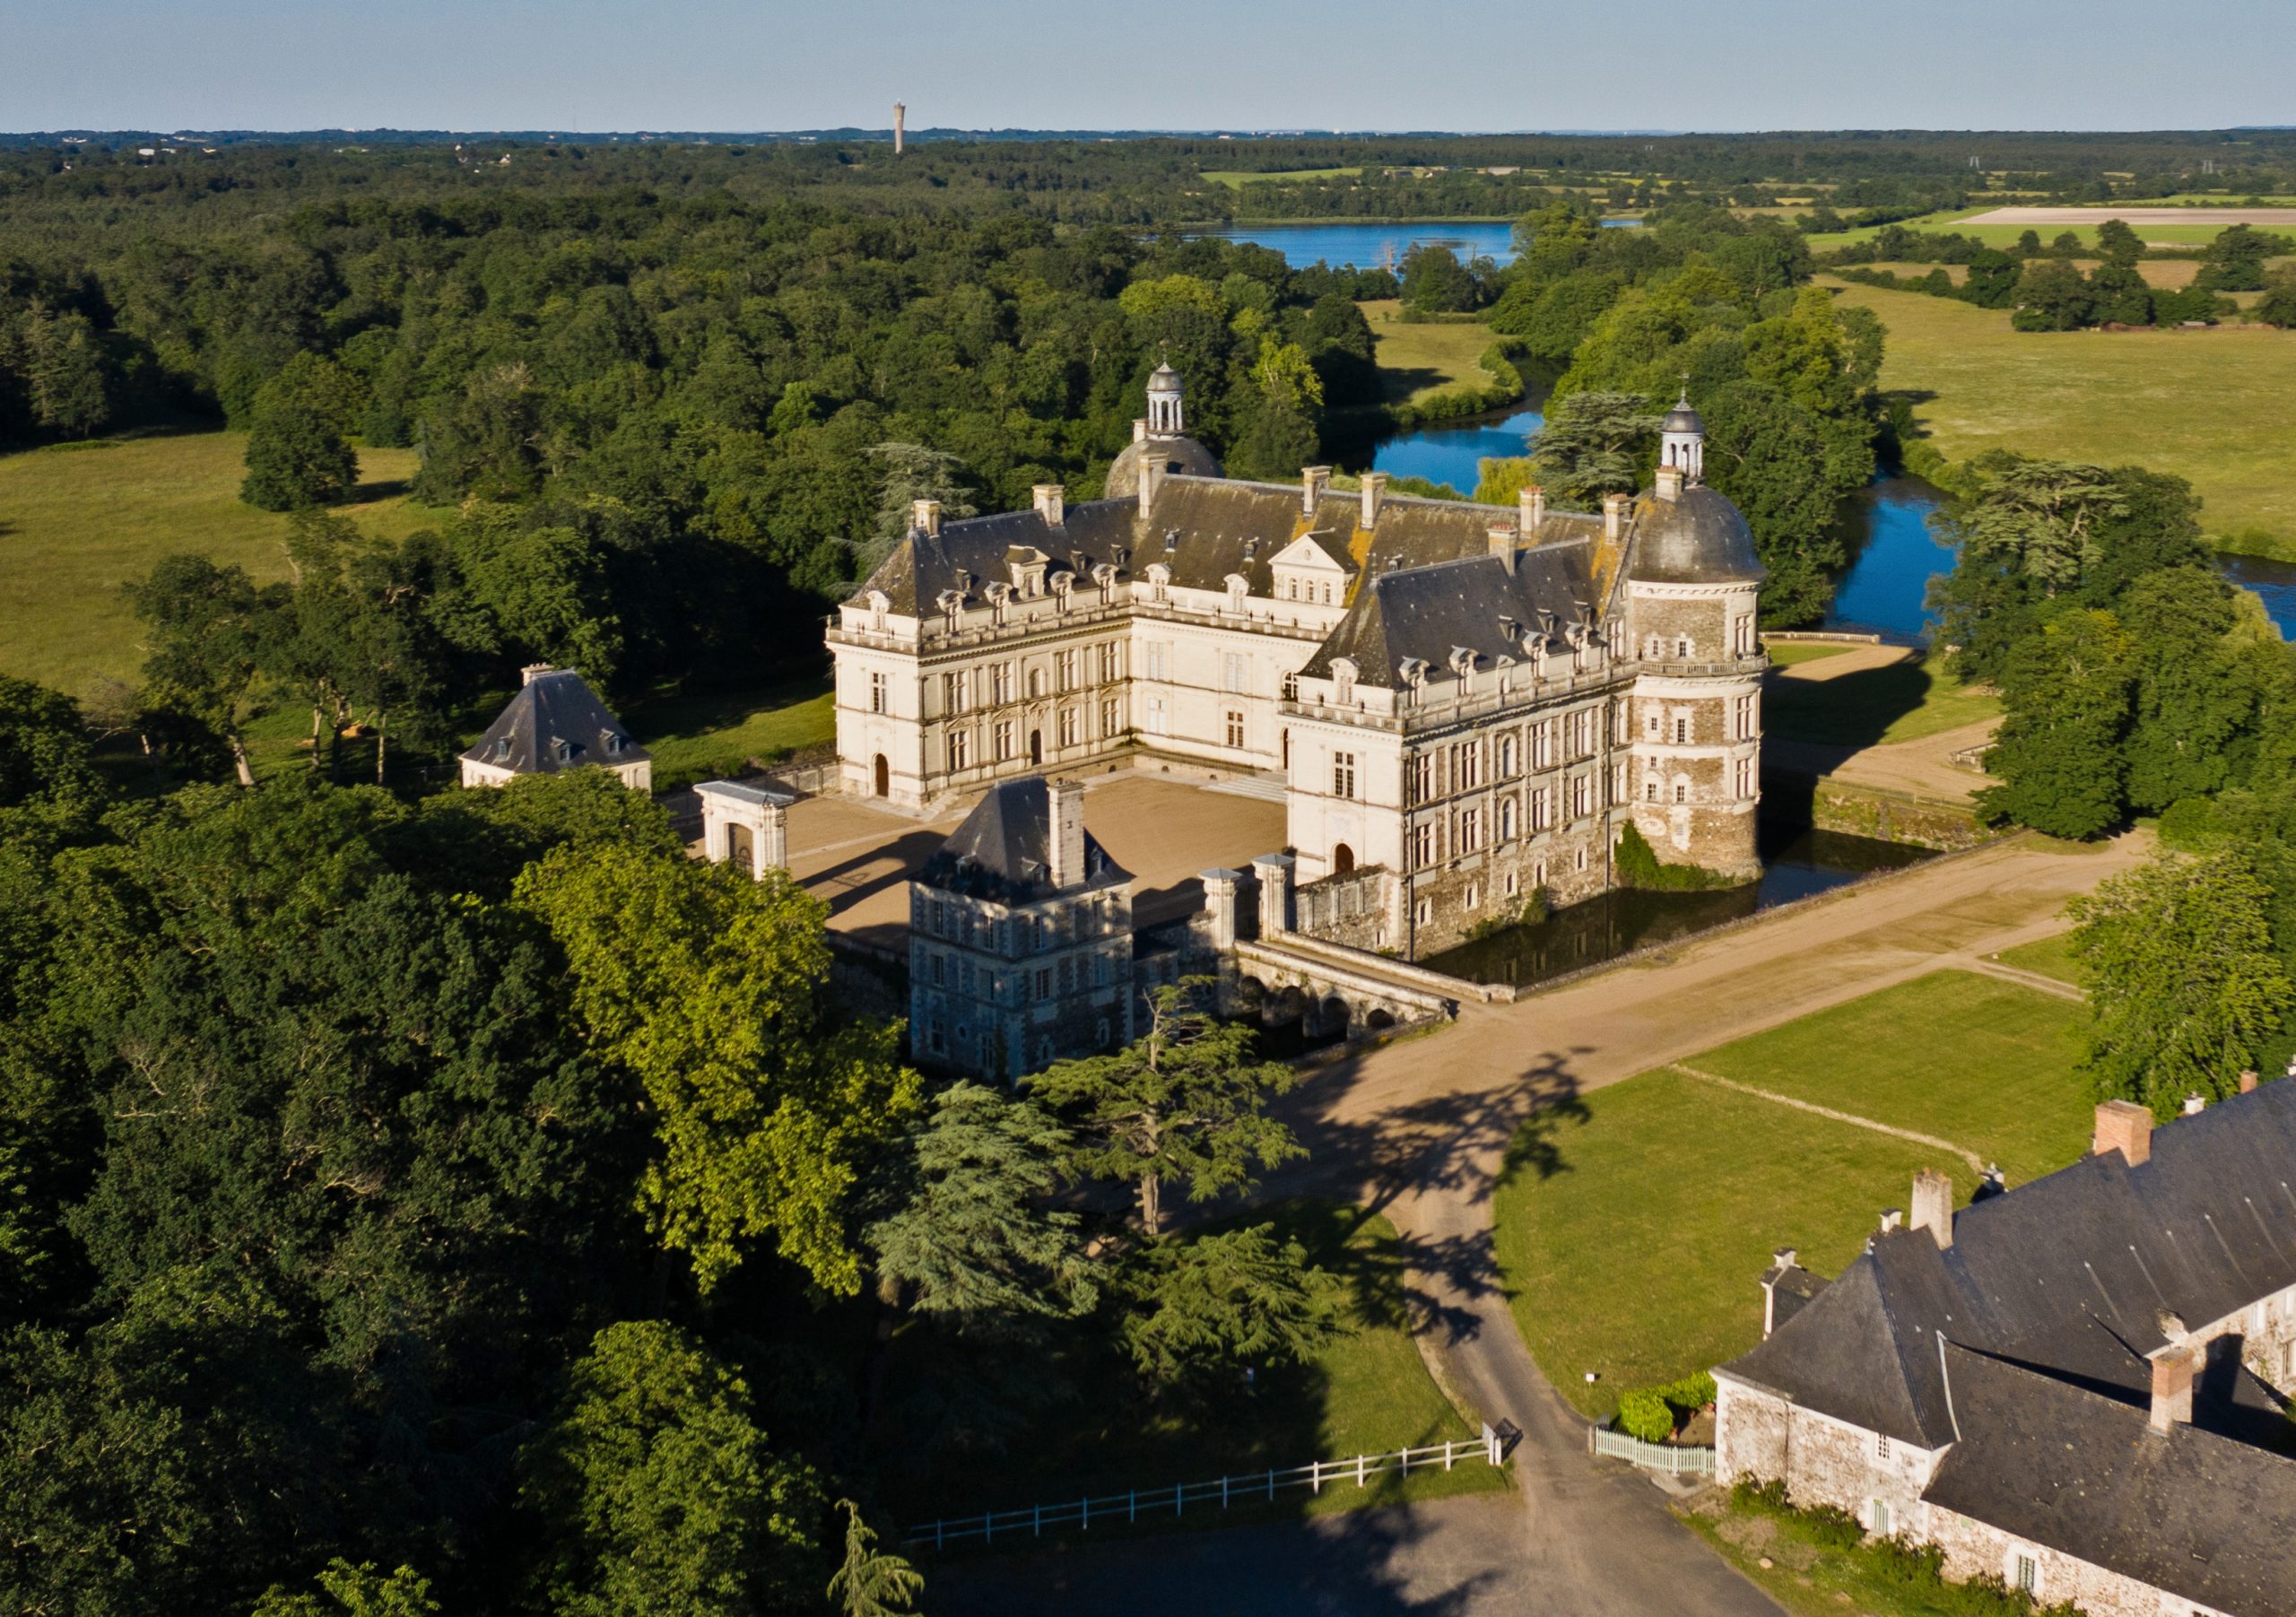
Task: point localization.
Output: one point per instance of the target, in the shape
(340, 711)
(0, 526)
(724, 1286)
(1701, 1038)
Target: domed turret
(1158, 435)
(1681, 441)
(1697, 537)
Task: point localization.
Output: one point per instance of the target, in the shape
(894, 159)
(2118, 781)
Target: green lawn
(1368, 1393)
(1238, 178)
(1632, 1229)
(1418, 359)
(2049, 956)
(1956, 222)
(1785, 653)
(2206, 406)
(78, 520)
(703, 737)
(1869, 706)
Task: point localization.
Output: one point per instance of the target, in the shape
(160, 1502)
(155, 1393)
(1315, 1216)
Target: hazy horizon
(1189, 67)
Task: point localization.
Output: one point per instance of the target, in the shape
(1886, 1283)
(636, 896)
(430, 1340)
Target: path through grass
(1632, 1230)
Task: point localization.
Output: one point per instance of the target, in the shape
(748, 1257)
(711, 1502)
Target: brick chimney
(1152, 479)
(1139, 428)
(1501, 537)
(531, 671)
(1783, 1259)
(1375, 492)
(1063, 841)
(2248, 1081)
(1615, 515)
(1933, 1206)
(924, 516)
(1530, 511)
(1313, 482)
(1052, 503)
(2172, 1368)
(2125, 1127)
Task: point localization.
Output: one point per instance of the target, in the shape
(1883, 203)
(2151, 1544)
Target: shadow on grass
(1853, 710)
(1399, 383)
(374, 493)
(681, 713)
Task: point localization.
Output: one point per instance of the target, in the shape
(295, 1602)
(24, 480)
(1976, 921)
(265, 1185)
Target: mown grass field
(1422, 358)
(1368, 1393)
(1238, 178)
(2207, 405)
(2049, 956)
(77, 521)
(1786, 654)
(1633, 1229)
(1956, 222)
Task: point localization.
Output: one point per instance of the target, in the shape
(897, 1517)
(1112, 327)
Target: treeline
(1700, 299)
(2137, 682)
(2048, 291)
(473, 1204)
(673, 428)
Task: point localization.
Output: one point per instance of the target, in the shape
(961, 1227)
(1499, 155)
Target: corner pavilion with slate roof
(1464, 704)
(556, 722)
(1020, 937)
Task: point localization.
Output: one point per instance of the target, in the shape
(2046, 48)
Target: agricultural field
(1422, 358)
(1238, 178)
(2206, 406)
(1960, 222)
(78, 520)
(1638, 1259)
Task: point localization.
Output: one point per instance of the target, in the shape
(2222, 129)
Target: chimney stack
(531, 671)
(1052, 503)
(1670, 482)
(1375, 491)
(1786, 1259)
(1501, 535)
(1893, 1218)
(1313, 481)
(925, 517)
(1139, 428)
(2125, 1127)
(1065, 836)
(2194, 1105)
(2249, 1081)
(1151, 480)
(2171, 1387)
(1933, 1206)
(1530, 511)
(1615, 515)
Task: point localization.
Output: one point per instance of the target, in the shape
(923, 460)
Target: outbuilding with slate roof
(2079, 1385)
(555, 723)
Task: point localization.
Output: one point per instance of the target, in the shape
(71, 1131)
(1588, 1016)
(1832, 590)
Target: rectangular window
(1044, 982)
(1467, 765)
(1542, 745)
(1880, 1515)
(1156, 716)
(1542, 810)
(1003, 739)
(1232, 672)
(1881, 1446)
(1159, 654)
(876, 693)
(1064, 666)
(1110, 723)
(1000, 679)
(959, 750)
(953, 692)
(1582, 796)
(1110, 668)
(1745, 778)
(1682, 731)
(1422, 846)
(940, 970)
(1235, 727)
(2027, 1576)
(1343, 775)
(1068, 727)
(1470, 829)
(1423, 779)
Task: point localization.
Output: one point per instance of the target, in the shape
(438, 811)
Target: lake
(1893, 553)
(1369, 246)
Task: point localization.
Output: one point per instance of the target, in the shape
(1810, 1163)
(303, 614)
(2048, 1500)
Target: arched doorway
(1036, 748)
(881, 778)
(1343, 858)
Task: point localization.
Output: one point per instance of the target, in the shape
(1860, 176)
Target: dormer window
(1343, 681)
(561, 749)
(1062, 583)
(614, 743)
(1160, 579)
(879, 602)
(1238, 587)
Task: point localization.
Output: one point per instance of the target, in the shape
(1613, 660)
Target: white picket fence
(1650, 1456)
(1252, 1487)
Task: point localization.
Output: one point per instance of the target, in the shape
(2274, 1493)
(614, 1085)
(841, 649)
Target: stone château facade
(1466, 703)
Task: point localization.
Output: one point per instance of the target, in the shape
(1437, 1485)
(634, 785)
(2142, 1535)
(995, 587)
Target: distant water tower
(900, 119)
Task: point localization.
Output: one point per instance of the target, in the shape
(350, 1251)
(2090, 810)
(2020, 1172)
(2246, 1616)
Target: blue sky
(598, 64)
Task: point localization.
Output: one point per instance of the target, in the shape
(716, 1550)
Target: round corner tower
(1695, 724)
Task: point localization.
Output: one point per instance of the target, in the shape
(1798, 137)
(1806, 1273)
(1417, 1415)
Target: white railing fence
(1651, 1456)
(1253, 1487)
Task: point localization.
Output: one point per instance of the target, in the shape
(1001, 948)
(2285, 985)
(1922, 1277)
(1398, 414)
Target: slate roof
(1429, 612)
(2206, 1518)
(1203, 529)
(1182, 456)
(2069, 1274)
(555, 722)
(1698, 537)
(1001, 851)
